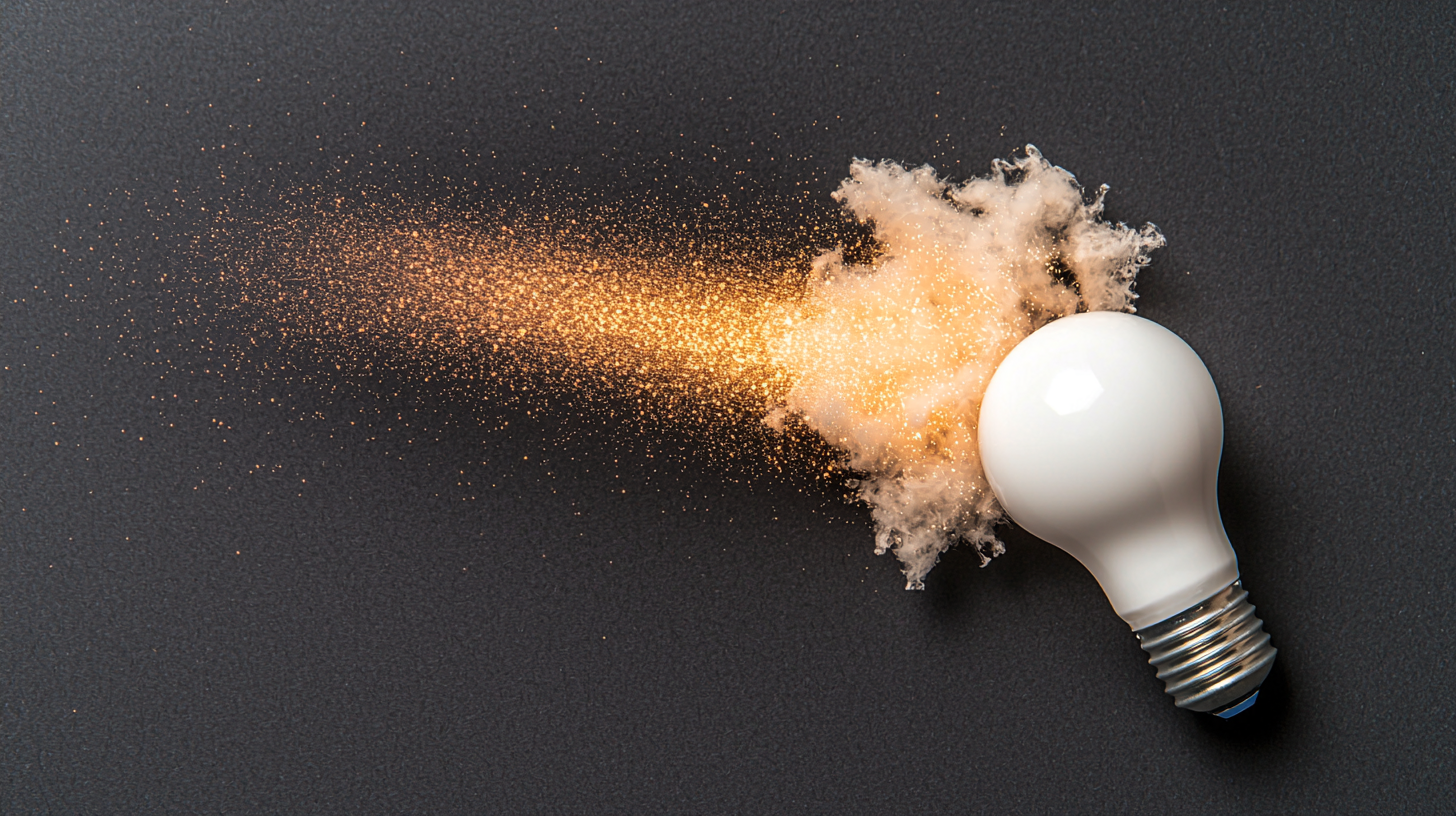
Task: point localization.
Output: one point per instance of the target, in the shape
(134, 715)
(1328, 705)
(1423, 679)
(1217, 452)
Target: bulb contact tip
(1213, 656)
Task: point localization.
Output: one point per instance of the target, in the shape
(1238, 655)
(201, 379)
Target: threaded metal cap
(1213, 656)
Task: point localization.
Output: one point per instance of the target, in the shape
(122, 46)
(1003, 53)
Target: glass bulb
(1101, 433)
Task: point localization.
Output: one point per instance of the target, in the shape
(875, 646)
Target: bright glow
(882, 354)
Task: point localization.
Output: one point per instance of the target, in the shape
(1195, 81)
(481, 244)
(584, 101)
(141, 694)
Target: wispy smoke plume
(889, 360)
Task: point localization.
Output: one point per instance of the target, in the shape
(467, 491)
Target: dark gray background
(342, 633)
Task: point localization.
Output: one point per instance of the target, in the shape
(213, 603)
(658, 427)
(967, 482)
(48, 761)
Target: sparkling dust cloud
(880, 348)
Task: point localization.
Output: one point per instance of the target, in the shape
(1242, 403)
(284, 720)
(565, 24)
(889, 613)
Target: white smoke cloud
(890, 360)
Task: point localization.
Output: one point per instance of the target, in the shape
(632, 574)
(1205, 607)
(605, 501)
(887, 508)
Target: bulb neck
(1213, 656)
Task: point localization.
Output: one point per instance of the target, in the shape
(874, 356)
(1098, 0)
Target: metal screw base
(1213, 656)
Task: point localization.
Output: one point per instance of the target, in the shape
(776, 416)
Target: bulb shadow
(1243, 501)
(1249, 514)
(1254, 743)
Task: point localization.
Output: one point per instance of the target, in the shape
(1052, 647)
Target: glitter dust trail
(584, 311)
(884, 356)
(891, 359)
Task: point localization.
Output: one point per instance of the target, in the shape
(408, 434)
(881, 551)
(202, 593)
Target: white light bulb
(1101, 433)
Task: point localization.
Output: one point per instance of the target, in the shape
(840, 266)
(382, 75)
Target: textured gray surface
(180, 636)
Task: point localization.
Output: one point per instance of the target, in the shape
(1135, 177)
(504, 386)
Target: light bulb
(1101, 433)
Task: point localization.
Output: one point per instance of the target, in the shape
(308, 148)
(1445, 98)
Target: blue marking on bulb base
(1236, 708)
